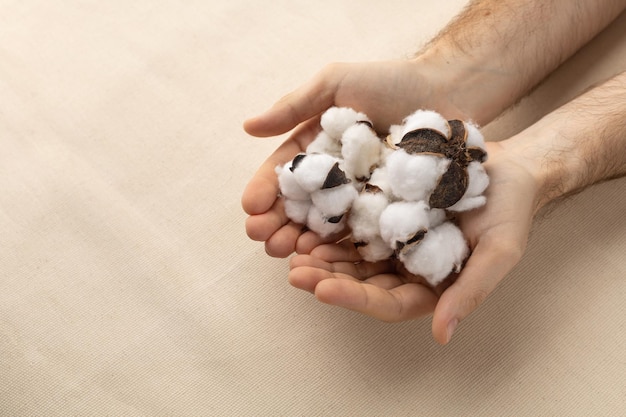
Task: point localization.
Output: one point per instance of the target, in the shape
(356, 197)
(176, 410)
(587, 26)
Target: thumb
(490, 261)
(305, 102)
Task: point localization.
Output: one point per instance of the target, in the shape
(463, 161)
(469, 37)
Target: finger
(490, 261)
(310, 240)
(306, 102)
(356, 271)
(342, 251)
(404, 302)
(262, 190)
(261, 227)
(283, 243)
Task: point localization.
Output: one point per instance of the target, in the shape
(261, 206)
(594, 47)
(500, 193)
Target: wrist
(469, 87)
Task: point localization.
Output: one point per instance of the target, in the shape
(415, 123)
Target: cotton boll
(323, 143)
(478, 182)
(395, 134)
(311, 170)
(474, 136)
(380, 179)
(414, 177)
(403, 221)
(289, 187)
(442, 251)
(436, 217)
(360, 149)
(322, 225)
(475, 143)
(426, 119)
(374, 250)
(336, 120)
(334, 201)
(365, 214)
(297, 210)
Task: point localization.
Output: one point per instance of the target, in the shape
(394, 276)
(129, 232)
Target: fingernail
(451, 327)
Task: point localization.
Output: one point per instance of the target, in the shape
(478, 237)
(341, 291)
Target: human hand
(385, 91)
(496, 233)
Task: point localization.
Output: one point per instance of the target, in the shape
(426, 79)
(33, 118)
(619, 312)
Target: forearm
(581, 143)
(495, 51)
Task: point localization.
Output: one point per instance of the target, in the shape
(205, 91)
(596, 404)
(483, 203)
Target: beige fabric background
(128, 286)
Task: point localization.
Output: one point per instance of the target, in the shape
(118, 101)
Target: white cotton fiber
(322, 225)
(323, 143)
(400, 221)
(365, 214)
(312, 170)
(380, 179)
(426, 119)
(436, 217)
(442, 251)
(474, 136)
(297, 210)
(289, 187)
(374, 250)
(414, 177)
(336, 120)
(334, 201)
(360, 149)
(478, 182)
(396, 133)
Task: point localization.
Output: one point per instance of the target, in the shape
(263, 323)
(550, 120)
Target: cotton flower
(360, 149)
(323, 225)
(441, 252)
(336, 120)
(365, 214)
(334, 201)
(298, 210)
(414, 177)
(404, 223)
(324, 143)
(311, 170)
(426, 119)
(289, 186)
(374, 250)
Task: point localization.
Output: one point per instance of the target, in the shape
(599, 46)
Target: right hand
(386, 92)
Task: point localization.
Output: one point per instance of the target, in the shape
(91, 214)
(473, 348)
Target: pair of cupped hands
(331, 268)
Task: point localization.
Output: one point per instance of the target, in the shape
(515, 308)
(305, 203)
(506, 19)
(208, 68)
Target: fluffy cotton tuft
(323, 143)
(365, 215)
(312, 169)
(474, 136)
(400, 221)
(334, 201)
(289, 186)
(336, 120)
(380, 179)
(297, 210)
(322, 225)
(426, 119)
(374, 250)
(441, 252)
(414, 177)
(360, 149)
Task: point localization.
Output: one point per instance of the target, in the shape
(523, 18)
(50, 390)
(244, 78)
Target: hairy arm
(580, 144)
(495, 51)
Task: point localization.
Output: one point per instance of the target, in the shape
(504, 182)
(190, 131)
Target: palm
(385, 91)
(385, 290)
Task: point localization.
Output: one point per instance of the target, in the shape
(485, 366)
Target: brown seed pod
(453, 184)
(404, 247)
(335, 178)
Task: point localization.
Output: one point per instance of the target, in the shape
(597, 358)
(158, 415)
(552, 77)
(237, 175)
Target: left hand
(496, 233)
